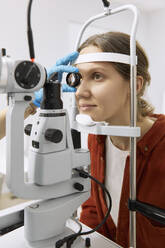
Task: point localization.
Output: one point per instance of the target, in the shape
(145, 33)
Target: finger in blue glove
(62, 65)
(70, 58)
(38, 97)
(67, 88)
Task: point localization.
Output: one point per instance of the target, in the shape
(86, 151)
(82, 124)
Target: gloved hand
(60, 67)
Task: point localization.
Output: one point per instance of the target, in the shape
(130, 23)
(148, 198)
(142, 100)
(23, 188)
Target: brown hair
(118, 42)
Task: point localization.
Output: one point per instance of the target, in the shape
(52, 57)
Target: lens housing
(73, 79)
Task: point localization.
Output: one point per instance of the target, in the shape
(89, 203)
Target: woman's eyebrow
(93, 69)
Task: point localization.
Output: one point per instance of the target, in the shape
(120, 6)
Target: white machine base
(16, 239)
(50, 243)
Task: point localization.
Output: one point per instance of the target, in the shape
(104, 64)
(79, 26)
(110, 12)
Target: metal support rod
(133, 111)
(132, 214)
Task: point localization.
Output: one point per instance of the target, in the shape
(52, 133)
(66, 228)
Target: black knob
(28, 129)
(27, 75)
(53, 135)
(78, 186)
(27, 98)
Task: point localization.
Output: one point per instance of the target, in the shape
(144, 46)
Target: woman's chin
(93, 117)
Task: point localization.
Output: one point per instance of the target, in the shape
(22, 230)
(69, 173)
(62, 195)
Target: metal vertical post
(133, 115)
(132, 214)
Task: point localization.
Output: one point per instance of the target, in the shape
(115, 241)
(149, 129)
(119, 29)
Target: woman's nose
(83, 89)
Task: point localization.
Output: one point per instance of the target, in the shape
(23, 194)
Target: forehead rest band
(104, 57)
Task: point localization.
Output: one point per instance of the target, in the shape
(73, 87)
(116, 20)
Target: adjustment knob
(28, 129)
(27, 75)
(53, 135)
(78, 186)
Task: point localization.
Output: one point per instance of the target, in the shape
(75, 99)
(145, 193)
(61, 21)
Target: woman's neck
(123, 143)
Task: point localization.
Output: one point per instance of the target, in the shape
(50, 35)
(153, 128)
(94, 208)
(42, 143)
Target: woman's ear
(139, 83)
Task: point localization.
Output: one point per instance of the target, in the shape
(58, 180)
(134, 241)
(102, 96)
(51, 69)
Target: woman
(104, 94)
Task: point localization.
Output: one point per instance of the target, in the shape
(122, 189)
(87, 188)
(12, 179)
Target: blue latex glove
(38, 97)
(60, 67)
(67, 88)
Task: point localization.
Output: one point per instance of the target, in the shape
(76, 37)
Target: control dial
(27, 75)
(53, 135)
(28, 129)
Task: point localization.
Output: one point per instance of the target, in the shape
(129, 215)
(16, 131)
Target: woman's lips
(85, 107)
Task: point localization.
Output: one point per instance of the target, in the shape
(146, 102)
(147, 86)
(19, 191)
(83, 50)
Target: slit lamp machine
(55, 160)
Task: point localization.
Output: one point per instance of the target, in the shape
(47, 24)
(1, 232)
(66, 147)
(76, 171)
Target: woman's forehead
(95, 66)
(90, 49)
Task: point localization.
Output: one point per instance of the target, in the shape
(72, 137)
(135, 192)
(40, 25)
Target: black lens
(73, 79)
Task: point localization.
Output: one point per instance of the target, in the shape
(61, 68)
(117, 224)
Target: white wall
(156, 45)
(56, 27)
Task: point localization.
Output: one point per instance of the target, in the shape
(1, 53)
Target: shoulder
(158, 126)
(155, 137)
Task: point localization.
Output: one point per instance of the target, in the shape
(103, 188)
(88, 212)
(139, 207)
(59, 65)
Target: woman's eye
(97, 76)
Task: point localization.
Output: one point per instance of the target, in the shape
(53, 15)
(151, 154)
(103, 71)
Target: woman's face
(103, 93)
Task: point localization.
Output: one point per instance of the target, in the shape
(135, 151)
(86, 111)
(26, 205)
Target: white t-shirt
(115, 165)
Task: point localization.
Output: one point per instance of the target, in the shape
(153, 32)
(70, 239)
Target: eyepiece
(73, 79)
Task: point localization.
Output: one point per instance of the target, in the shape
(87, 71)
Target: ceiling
(147, 5)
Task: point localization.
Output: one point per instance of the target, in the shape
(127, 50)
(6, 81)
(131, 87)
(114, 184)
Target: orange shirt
(150, 189)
